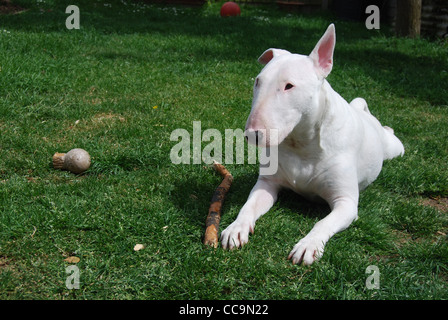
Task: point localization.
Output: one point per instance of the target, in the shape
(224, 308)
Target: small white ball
(77, 160)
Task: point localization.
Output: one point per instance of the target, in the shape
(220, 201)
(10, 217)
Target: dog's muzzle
(253, 136)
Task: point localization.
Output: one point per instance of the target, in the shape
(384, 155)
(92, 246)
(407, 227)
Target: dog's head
(286, 91)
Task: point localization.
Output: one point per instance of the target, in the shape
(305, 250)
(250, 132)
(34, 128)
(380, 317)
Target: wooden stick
(214, 212)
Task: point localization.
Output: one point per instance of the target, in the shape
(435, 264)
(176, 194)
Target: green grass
(131, 75)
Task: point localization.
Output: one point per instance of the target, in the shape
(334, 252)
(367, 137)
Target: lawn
(132, 74)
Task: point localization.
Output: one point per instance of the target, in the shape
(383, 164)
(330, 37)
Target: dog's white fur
(327, 148)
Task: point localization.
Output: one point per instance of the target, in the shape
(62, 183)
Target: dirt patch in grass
(438, 202)
(105, 117)
(441, 204)
(97, 121)
(6, 7)
(5, 263)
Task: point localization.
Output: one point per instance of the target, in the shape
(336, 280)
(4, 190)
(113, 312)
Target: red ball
(230, 9)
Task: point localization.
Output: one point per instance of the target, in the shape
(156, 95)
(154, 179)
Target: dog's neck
(308, 131)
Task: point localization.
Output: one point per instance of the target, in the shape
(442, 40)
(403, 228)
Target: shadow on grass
(296, 203)
(406, 75)
(244, 38)
(193, 197)
(240, 34)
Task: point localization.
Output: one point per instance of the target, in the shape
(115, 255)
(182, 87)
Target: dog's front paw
(236, 234)
(307, 250)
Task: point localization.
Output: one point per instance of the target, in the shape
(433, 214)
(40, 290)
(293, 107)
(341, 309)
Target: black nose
(252, 136)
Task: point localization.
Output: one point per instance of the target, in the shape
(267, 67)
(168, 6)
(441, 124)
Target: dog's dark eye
(289, 86)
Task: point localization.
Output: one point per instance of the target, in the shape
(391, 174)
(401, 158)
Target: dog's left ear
(322, 54)
(269, 54)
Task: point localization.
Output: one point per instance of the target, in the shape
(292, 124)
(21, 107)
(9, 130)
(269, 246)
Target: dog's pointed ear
(269, 54)
(322, 54)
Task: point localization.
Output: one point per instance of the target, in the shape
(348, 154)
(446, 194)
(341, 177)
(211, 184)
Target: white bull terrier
(327, 148)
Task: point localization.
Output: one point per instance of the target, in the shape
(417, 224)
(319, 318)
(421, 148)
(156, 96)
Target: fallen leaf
(138, 247)
(72, 259)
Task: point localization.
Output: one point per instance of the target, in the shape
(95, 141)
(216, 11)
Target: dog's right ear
(269, 54)
(322, 54)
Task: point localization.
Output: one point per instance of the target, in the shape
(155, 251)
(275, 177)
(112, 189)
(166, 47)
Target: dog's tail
(393, 146)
